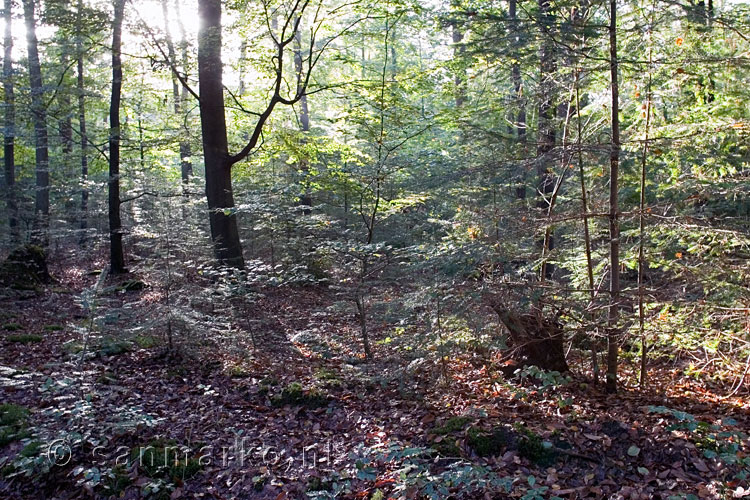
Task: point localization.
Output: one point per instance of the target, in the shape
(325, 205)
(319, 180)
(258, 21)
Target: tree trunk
(546, 127)
(458, 52)
(10, 127)
(186, 163)
(82, 125)
(224, 233)
(116, 258)
(39, 116)
(305, 199)
(614, 223)
(515, 74)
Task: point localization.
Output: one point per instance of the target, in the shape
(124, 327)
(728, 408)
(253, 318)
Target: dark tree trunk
(39, 117)
(82, 126)
(546, 127)
(116, 258)
(10, 127)
(224, 233)
(614, 223)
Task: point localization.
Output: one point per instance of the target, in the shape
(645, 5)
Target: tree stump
(536, 340)
(25, 268)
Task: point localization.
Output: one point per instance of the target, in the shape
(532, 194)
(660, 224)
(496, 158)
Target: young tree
(116, 257)
(614, 223)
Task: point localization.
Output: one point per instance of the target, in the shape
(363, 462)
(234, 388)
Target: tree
(614, 223)
(39, 116)
(116, 256)
(218, 161)
(81, 90)
(10, 126)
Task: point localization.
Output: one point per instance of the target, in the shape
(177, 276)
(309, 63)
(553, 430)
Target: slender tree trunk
(116, 258)
(186, 164)
(39, 117)
(82, 126)
(614, 223)
(10, 126)
(224, 233)
(515, 75)
(458, 51)
(185, 170)
(304, 123)
(546, 127)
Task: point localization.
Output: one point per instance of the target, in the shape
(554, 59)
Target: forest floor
(350, 429)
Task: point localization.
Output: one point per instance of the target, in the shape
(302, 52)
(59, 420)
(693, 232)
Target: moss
(53, 328)
(165, 459)
(453, 424)
(146, 341)
(259, 482)
(531, 446)
(130, 286)
(446, 448)
(111, 347)
(32, 449)
(237, 371)
(295, 395)
(13, 420)
(319, 484)
(489, 443)
(325, 374)
(117, 482)
(25, 338)
(11, 327)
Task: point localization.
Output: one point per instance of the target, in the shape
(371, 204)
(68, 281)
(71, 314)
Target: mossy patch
(112, 347)
(166, 459)
(453, 424)
(53, 328)
(532, 447)
(489, 443)
(237, 371)
(146, 341)
(25, 338)
(12, 327)
(446, 448)
(294, 394)
(130, 286)
(116, 482)
(13, 423)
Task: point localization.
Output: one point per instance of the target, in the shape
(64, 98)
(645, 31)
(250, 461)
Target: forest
(359, 249)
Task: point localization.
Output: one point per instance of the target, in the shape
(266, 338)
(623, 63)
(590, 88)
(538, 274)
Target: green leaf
(633, 451)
